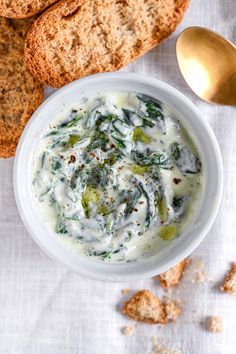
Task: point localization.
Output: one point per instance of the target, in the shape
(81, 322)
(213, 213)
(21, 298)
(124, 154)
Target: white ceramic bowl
(177, 249)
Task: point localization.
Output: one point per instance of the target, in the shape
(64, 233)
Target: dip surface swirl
(118, 176)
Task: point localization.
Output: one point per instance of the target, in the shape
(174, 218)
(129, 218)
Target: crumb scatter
(160, 346)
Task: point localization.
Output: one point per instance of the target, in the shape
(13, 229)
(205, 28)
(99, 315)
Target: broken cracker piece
(229, 285)
(171, 277)
(145, 307)
(127, 330)
(214, 324)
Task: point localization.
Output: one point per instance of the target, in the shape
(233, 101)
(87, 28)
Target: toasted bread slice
(171, 277)
(144, 306)
(21, 26)
(23, 8)
(76, 38)
(20, 92)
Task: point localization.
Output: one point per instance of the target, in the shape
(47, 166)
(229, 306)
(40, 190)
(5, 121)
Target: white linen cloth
(45, 308)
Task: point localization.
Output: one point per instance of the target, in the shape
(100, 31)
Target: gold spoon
(207, 62)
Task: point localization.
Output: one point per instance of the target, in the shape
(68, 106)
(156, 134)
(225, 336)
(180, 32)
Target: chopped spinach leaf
(61, 227)
(154, 111)
(178, 202)
(98, 176)
(56, 164)
(130, 198)
(54, 132)
(152, 158)
(99, 140)
(119, 142)
(71, 122)
(44, 154)
(150, 214)
(128, 115)
(184, 159)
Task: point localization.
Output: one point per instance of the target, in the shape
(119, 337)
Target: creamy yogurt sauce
(117, 176)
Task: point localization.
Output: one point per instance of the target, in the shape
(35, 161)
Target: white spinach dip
(117, 176)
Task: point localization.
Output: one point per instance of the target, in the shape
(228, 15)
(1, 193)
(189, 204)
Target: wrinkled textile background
(46, 308)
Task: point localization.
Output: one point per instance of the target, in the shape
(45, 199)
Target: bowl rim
(132, 274)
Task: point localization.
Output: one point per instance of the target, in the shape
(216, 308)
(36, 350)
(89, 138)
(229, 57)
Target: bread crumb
(125, 291)
(159, 346)
(144, 306)
(200, 274)
(200, 277)
(214, 324)
(127, 330)
(173, 311)
(229, 285)
(171, 277)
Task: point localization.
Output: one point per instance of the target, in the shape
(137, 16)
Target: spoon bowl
(207, 62)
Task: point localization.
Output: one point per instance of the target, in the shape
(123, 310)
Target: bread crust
(76, 38)
(23, 8)
(20, 92)
(21, 26)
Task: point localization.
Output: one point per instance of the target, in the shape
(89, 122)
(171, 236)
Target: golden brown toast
(23, 8)
(20, 92)
(76, 38)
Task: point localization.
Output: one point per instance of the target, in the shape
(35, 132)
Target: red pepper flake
(177, 180)
(142, 202)
(72, 159)
(135, 209)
